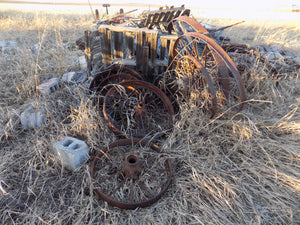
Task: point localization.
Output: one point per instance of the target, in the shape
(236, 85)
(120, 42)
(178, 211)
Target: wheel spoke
(215, 61)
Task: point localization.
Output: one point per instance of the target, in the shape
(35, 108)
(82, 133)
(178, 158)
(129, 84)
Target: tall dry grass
(268, 31)
(234, 169)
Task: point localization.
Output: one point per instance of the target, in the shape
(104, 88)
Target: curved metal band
(198, 27)
(211, 86)
(133, 205)
(221, 57)
(131, 85)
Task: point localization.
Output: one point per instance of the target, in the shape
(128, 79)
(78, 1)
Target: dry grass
(234, 169)
(272, 31)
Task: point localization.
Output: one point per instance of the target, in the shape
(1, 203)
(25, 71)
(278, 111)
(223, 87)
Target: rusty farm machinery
(136, 68)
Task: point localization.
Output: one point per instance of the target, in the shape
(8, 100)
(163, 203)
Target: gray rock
(35, 49)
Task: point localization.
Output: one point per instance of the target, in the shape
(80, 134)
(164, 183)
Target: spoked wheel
(103, 87)
(184, 24)
(112, 70)
(130, 174)
(113, 79)
(216, 61)
(194, 81)
(137, 109)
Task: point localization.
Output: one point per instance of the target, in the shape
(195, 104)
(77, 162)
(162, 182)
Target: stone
(68, 77)
(35, 49)
(33, 117)
(82, 62)
(81, 77)
(71, 152)
(73, 77)
(11, 44)
(2, 45)
(49, 86)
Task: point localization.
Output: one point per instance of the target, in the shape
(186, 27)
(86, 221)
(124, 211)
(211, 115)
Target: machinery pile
(139, 71)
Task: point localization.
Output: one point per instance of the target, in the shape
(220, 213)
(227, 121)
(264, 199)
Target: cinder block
(73, 77)
(2, 45)
(49, 86)
(33, 117)
(82, 62)
(11, 44)
(69, 77)
(71, 152)
(35, 49)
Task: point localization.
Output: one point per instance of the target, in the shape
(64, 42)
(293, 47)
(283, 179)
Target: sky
(198, 3)
(228, 8)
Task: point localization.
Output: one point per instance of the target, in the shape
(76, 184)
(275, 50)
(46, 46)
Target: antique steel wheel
(113, 79)
(107, 83)
(137, 109)
(184, 24)
(194, 81)
(112, 70)
(216, 61)
(129, 173)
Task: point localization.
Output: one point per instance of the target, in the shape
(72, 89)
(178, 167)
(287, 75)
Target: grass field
(234, 169)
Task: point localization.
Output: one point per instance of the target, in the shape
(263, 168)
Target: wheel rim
(137, 109)
(215, 60)
(181, 25)
(112, 70)
(129, 173)
(195, 80)
(113, 79)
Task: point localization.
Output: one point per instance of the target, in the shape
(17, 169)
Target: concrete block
(68, 77)
(9, 47)
(35, 49)
(73, 77)
(81, 77)
(33, 117)
(272, 56)
(49, 86)
(71, 152)
(297, 59)
(82, 62)
(11, 44)
(2, 45)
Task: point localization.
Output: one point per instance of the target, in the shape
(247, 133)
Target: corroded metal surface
(131, 173)
(195, 76)
(212, 56)
(114, 79)
(137, 109)
(112, 70)
(184, 22)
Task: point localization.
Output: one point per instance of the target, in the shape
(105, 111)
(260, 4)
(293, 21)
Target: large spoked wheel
(194, 81)
(110, 71)
(130, 174)
(113, 79)
(217, 63)
(184, 24)
(103, 87)
(137, 109)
